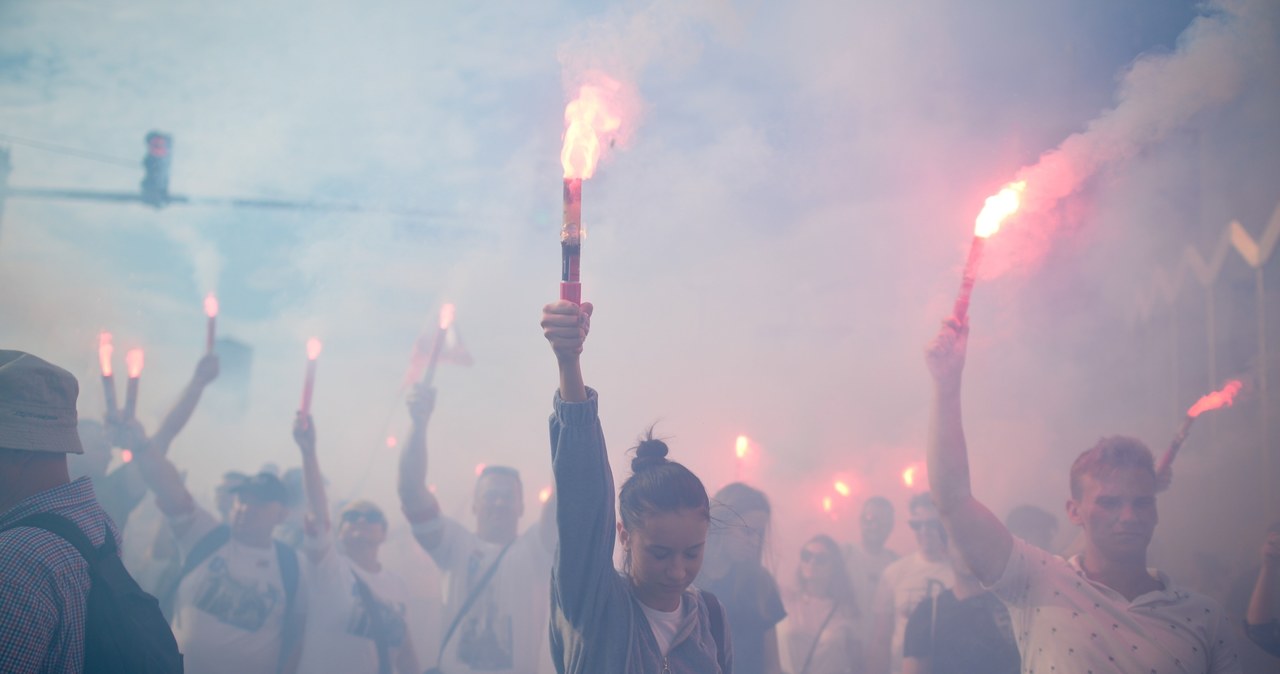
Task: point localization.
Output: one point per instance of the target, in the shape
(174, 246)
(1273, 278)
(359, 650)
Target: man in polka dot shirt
(1102, 610)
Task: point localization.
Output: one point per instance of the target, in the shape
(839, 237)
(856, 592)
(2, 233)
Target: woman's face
(665, 555)
(743, 539)
(817, 567)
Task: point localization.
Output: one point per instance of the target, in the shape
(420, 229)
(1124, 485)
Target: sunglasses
(371, 516)
(920, 525)
(807, 556)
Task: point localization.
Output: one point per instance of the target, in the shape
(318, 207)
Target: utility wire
(75, 152)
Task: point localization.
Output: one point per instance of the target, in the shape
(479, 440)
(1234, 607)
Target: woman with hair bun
(648, 617)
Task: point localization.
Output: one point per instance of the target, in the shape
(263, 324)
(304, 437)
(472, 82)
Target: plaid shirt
(44, 582)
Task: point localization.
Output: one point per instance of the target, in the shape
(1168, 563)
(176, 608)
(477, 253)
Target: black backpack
(124, 630)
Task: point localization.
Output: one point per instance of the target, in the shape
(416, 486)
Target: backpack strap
(471, 600)
(69, 532)
(200, 552)
(291, 636)
(380, 634)
(716, 613)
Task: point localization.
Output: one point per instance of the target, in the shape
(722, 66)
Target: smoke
(206, 261)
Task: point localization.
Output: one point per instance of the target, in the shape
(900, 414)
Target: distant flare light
(446, 316)
(827, 504)
(480, 469)
(740, 447)
(105, 350)
(211, 326)
(135, 359)
(544, 495)
(314, 347)
(842, 488)
(909, 476)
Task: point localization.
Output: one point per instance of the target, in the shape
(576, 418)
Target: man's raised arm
(162, 477)
(176, 419)
(982, 539)
(417, 502)
(304, 434)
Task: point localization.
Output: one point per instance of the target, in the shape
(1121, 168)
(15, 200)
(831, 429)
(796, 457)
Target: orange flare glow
(446, 316)
(998, 207)
(909, 476)
(827, 504)
(842, 488)
(210, 305)
(544, 495)
(741, 447)
(1217, 399)
(126, 455)
(105, 349)
(313, 348)
(588, 120)
(134, 359)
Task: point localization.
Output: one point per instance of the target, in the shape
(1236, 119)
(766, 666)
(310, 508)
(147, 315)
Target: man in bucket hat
(44, 580)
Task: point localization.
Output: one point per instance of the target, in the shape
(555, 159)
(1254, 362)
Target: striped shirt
(44, 582)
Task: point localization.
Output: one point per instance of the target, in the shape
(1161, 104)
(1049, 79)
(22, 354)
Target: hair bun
(650, 452)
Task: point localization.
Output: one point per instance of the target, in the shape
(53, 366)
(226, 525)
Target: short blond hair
(1116, 451)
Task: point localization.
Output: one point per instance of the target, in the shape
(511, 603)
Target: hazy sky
(768, 256)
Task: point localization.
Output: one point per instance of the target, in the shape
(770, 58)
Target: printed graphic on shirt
(233, 602)
(361, 624)
(486, 635)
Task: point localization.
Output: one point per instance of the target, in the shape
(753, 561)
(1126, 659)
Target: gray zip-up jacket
(597, 625)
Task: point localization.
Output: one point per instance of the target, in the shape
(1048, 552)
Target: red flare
(997, 208)
(392, 442)
(1222, 398)
(479, 469)
(589, 119)
(909, 476)
(211, 305)
(126, 455)
(105, 349)
(741, 446)
(134, 359)
(314, 347)
(827, 504)
(842, 488)
(446, 316)
(544, 495)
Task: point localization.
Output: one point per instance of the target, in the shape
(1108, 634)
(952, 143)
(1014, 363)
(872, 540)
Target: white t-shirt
(664, 624)
(506, 628)
(865, 570)
(903, 585)
(229, 612)
(339, 635)
(1066, 623)
(837, 650)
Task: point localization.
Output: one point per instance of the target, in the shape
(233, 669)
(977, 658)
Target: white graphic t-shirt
(506, 628)
(340, 633)
(903, 585)
(229, 612)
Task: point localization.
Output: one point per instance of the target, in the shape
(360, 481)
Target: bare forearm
(313, 482)
(1261, 610)
(162, 477)
(879, 651)
(947, 453)
(177, 417)
(412, 478)
(572, 387)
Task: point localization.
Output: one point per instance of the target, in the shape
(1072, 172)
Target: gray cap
(37, 405)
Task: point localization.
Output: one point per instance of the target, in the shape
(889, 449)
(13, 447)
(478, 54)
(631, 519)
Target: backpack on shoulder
(125, 632)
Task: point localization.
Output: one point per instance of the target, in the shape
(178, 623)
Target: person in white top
(357, 623)
(923, 574)
(821, 634)
(504, 626)
(1102, 610)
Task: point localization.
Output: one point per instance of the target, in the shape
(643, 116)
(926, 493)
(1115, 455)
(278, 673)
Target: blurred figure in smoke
(121, 490)
(496, 608)
(356, 622)
(733, 570)
(905, 583)
(964, 630)
(867, 559)
(1103, 610)
(821, 634)
(224, 493)
(1036, 526)
(1262, 618)
(650, 617)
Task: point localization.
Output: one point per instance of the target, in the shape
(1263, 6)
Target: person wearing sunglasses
(356, 620)
(821, 634)
(868, 557)
(1102, 610)
(905, 583)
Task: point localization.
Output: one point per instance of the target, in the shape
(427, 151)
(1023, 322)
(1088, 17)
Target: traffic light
(155, 184)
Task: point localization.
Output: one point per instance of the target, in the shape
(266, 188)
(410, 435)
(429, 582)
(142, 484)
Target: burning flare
(909, 476)
(544, 495)
(997, 208)
(105, 349)
(1217, 399)
(588, 119)
(740, 447)
(827, 504)
(446, 316)
(134, 359)
(211, 305)
(842, 488)
(313, 348)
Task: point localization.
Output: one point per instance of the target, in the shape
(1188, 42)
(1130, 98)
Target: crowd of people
(276, 578)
